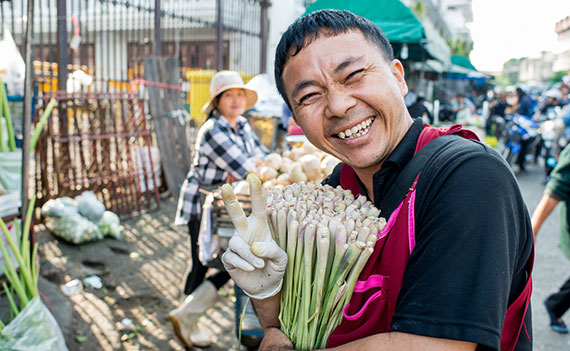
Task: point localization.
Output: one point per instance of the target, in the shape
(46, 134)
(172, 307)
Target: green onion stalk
(5, 110)
(41, 123)
(23, 284)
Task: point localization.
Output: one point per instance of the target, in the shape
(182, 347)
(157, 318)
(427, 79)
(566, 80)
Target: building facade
(562, 58)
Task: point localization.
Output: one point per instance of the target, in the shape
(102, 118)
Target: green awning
(462, 62)
(396, 20)
(398, 23)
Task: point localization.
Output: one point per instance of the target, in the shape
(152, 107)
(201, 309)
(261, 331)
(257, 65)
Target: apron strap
(516, 312)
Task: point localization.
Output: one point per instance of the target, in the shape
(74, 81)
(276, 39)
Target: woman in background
(226, 150)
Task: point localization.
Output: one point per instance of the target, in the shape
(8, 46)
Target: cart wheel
(251, 342)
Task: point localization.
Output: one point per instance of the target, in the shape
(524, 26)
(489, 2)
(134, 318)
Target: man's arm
(267, 311)
(542, 211)
(275, 340)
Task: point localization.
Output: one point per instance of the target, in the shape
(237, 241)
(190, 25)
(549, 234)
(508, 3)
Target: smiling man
(331, 94)
(453, 272)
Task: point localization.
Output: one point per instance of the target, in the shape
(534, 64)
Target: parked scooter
(520, 128)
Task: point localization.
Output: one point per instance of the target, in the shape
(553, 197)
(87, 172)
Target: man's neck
(366, 176)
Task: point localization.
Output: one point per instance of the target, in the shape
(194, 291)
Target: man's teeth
(357, 130)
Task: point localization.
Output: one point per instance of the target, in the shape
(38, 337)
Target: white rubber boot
(185, 317)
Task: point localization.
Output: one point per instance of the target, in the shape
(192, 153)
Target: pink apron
(373, 303)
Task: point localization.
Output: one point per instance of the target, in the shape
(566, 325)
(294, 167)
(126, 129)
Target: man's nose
(339, 102)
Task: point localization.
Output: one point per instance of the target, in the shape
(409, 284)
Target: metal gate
(89, 54)
(107, 39)
(100, 142)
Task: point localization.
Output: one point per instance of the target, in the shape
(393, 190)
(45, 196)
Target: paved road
(551, 270)
(551, 267)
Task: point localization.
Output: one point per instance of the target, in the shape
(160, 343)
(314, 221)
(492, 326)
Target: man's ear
(398, 72)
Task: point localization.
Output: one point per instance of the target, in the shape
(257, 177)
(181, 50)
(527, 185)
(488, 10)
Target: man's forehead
(354, 35)
(323, 34)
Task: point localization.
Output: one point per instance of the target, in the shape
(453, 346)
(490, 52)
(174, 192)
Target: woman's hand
(231, 179)
(258, 161)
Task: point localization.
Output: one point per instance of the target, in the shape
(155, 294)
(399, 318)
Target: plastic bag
(11, 171)
(12, 65)
(64, 206)
(90, 206)
(34, 328)
(9, 204)
(75, 228)
(110, 225)
(209, 244)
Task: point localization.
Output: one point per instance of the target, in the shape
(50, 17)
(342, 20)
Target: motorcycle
(549, 137)
(520, 128)
(562, 128)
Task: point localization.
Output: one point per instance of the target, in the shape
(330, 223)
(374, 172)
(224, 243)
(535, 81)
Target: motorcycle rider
(496, 121)
(500, 105)
(524, 107)
(552, 99)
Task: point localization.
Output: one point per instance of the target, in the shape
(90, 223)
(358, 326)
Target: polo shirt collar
(396, 161)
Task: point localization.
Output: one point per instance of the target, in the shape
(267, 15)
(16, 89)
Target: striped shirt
(220, 150)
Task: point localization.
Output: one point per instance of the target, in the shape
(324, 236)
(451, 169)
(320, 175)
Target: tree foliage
(557, 76)
(459, 47)
(514, 62)
(419, 9)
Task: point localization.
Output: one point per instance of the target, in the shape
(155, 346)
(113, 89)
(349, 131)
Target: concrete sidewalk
(141, 276)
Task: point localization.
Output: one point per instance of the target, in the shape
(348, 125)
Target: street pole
(62, 52)
(220, 35)
(27, 106)
(265, 4)
(157, 30)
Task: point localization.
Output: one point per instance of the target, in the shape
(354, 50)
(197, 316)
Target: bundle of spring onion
(23, 284)
(328, 236)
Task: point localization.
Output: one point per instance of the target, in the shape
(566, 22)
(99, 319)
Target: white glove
(254, 261)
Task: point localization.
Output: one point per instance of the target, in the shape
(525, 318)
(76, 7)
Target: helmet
(553, 93)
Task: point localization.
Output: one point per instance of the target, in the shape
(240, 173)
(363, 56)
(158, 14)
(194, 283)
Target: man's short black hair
(306, 29)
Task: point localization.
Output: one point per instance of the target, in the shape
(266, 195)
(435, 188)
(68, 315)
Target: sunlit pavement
(165, 249)
(551, 268)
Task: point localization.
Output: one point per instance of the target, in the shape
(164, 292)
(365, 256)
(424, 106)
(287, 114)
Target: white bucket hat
(225, 80)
